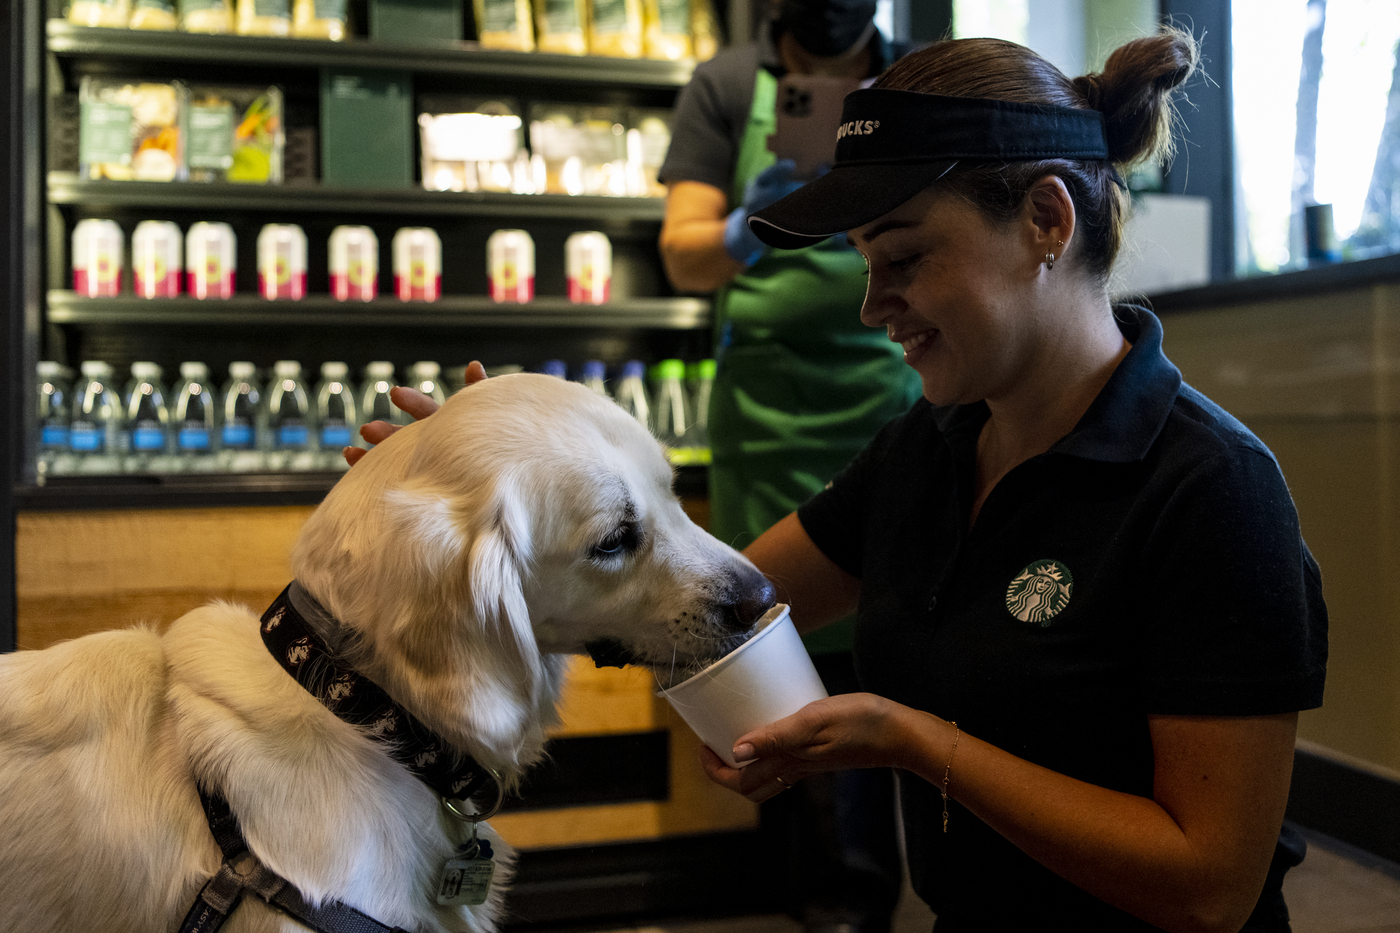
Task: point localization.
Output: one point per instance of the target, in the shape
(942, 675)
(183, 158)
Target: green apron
(802, 385)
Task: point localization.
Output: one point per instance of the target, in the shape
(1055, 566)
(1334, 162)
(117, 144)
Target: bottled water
(192, 418)
(243, 420)
(673, 422)
(555, 368)
(94, 434)
(55, 400)
(375, 404)
(632, 393)
(290, 419)
(701, 387)
(147, 420)
(426, 377)
(595, 376)
(336, 413)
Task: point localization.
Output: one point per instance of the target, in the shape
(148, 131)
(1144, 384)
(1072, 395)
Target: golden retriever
(454, 567)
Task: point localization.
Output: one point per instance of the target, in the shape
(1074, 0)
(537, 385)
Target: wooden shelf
(66, 307)
(450, 58)
(67, 188)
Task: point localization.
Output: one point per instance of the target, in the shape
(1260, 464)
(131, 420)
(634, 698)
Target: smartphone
(808, 114)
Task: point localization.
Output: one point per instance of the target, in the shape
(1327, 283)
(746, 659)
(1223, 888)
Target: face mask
(826, 27)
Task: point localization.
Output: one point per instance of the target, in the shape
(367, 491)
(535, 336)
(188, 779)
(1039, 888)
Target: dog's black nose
(749, 595)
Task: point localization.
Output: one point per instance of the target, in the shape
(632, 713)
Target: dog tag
(466, 881)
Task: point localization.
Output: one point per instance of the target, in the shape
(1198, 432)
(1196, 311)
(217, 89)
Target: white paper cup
(767, 678)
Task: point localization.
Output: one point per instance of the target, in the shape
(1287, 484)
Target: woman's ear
(1051, 212)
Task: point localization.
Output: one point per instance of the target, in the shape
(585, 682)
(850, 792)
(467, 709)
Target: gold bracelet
(946, 771)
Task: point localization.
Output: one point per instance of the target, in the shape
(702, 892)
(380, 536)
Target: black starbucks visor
(893, 144)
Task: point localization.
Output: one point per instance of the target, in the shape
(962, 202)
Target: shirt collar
(1125, 418)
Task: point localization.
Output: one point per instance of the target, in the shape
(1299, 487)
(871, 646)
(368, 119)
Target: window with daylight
(1316, 101)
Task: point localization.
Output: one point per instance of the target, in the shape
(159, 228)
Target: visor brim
(847, 197)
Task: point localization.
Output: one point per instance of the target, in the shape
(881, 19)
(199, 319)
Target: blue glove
(774, 182)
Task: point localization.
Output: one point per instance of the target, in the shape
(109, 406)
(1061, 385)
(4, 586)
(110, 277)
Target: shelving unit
(646, 321)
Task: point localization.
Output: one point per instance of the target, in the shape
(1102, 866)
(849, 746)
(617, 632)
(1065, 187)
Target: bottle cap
(287, 368)
(49, 369)
(708, 369)
(670, 369)
(633, 370)
(193, 370)
(554, 368)
(334, 370)
(380, 369)
(145, 369)
(594, 369)
(426, 369)
(242, 370)
(96, 368)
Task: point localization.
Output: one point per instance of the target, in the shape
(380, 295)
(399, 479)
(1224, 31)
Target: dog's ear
(464, 629)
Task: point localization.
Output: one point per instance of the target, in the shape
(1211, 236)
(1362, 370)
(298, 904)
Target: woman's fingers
(758, 782)
(475, 373)
(412, 402)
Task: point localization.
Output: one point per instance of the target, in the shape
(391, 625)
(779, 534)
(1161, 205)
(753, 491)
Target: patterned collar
(356, 699)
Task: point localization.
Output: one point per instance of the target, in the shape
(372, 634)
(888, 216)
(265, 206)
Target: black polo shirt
(1150, 562)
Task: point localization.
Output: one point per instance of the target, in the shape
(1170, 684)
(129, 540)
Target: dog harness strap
(361, 702)
(222, 893)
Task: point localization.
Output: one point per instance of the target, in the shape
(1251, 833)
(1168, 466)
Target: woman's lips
(915, 345)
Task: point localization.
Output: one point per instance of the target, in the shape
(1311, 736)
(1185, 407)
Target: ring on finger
(785, 784)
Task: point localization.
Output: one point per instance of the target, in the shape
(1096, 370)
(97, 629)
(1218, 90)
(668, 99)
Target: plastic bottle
(595, 377)
(555, 368)
(242, 419)
(701, 386)
(426, 377)
(375, 404)
(632, 392)
(147, 420)
(672, 412)
(94, 435)
(55, 412)
(291, 420)
(337, 415)
(192, 419)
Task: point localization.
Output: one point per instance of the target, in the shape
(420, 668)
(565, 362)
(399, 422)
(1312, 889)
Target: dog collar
(354, 698)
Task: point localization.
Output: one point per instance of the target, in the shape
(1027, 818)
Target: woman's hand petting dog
(408, 400)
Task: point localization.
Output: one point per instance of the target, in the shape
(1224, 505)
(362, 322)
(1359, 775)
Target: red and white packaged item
(417, 264)
(211, 260)
(588, 265)
(156, 248)
(97, 258)
(510, 266)
(354, 263)
(282, 261)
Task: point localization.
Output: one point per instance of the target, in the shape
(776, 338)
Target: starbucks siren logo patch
(1039, 592)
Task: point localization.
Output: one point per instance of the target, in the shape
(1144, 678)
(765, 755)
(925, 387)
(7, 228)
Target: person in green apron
(801, 387)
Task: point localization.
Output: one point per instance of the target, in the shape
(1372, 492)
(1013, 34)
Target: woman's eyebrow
(885, 226)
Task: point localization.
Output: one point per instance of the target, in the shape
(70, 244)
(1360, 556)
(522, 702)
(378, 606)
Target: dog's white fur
(462, 560)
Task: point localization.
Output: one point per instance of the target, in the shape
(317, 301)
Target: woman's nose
(875, 311)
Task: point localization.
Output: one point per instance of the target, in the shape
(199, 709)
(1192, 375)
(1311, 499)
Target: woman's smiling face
(956, 291)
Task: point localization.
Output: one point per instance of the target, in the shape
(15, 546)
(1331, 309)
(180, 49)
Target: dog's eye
(623, 540)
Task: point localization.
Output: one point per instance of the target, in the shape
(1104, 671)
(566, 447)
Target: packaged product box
(648, 138)
(154, 14)
(264, 17)
(319, 19)
(504, 24)
(561, 26)
(207, 16)
(706, 36)
(234, 134)
(112, 13)
(366, 120)
(615, 28)
(473, 144)
(579, 149)
(415, 20)
(666, 32)
(131, 130)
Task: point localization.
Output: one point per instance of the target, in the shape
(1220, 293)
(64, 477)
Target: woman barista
(1087, 618)
(800, 387)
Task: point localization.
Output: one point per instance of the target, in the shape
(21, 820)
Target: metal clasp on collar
(451, 806)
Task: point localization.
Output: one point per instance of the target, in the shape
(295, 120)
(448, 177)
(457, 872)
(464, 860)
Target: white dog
(454, 567)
